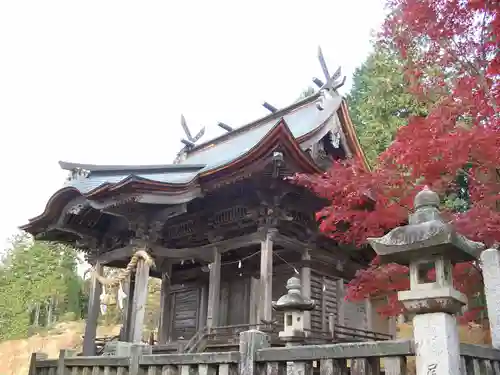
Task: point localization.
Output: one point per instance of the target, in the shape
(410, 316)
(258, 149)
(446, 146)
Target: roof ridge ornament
(77, 173)
(333, 82)
(190, 141)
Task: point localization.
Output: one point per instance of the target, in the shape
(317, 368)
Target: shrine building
(225, 230)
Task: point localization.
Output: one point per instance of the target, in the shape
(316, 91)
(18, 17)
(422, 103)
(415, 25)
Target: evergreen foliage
(38, 285)
(380, 101)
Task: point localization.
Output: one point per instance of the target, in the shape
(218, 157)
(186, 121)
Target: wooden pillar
(254, 301)
(202, 317)
(401, 319)
(139, 301)
(305, 276)
(214, 291)
(165, 318)
(393, 324)
(266, 277)
(331, 325)
(369, 314)
(93, 313)
(128, 289)
(324, 315)
(340, 302)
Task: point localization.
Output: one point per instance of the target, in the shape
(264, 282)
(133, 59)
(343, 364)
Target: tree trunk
(36, 320)
(49, 313)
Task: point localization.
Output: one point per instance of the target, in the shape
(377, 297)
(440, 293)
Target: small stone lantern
(428, 242)
(293, 306)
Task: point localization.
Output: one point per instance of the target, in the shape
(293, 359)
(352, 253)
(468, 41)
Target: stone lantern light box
(427, 242)
(293, 306)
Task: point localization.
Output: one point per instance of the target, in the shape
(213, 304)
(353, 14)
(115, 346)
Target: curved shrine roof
(290, 127)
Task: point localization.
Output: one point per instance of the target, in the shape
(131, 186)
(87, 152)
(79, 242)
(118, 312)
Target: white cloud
(106, 81)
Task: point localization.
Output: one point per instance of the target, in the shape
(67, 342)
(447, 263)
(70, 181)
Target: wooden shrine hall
(225, 230)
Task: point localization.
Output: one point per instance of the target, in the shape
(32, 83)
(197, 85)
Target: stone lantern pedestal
(428, 242)
(293, 306)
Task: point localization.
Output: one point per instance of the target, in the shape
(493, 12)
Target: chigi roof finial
(190, 141)
(332, 81)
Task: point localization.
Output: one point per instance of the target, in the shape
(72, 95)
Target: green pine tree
(379, 101)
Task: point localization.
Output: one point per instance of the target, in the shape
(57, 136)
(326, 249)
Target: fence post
(490, 260)
(34, 357)
(250, 342)
(63, 353)
(136, 351)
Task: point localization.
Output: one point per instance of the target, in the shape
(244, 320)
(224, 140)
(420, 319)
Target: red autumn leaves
(452, 52)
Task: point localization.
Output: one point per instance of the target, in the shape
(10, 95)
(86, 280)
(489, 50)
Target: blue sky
(105, 82)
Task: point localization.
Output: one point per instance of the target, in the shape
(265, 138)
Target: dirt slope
(15, 354)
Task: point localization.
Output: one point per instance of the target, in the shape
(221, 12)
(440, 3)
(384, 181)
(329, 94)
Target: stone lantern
(429, 242)
(293, 306)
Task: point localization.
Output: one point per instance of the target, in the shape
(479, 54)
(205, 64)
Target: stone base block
(437, 344)
(444, 299)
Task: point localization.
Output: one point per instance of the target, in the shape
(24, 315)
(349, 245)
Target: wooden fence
(371, 358)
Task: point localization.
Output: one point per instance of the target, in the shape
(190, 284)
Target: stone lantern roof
(293, 300)
(427, 235)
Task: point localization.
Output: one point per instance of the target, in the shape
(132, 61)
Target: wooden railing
(479, 359)
(164, 364)
(371, 358)
(344, 333)
(352, 358)
(194, 344)
(229, 335)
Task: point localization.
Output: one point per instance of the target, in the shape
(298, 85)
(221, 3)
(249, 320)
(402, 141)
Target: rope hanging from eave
(108, 298)
(131, 266)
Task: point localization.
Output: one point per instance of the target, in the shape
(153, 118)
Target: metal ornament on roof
(190, 141)
(333, 82)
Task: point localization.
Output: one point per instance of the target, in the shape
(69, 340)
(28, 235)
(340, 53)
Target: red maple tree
(451, 50)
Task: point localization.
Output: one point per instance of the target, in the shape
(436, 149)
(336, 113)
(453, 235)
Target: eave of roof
(92, 168)
(279, 135)
(350, 133)
(176, 179)
(302, 121)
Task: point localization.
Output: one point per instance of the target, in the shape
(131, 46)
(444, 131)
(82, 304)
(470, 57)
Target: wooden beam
(203, 252)
(122, 253)
(270, 107)
(139, 302)
(93, 313)
(226, 127)
(266, 277)
(214, 290)
(348, 268)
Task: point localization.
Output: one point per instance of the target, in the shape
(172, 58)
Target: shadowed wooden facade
(224, 226)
